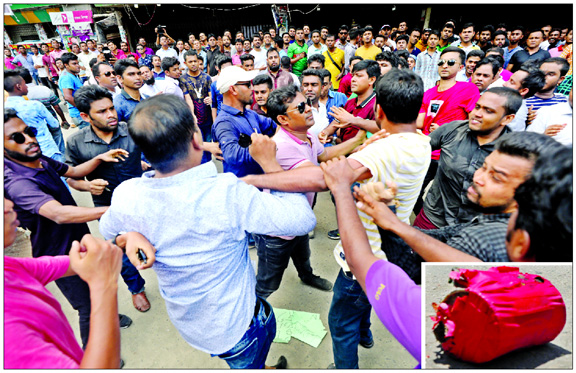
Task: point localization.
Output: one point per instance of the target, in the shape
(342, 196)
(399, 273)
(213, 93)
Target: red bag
(500, 310)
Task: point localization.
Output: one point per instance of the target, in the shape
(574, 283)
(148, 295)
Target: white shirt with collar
(170, 86)
(320, 119)
(554, 114)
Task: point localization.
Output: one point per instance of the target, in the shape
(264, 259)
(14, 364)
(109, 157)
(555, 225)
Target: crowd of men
(457, 144)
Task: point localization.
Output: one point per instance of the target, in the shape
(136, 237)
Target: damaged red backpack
(498, 311)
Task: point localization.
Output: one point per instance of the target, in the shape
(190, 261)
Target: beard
(23, 157)
(485, 210)
(274, 68)
(150, 81)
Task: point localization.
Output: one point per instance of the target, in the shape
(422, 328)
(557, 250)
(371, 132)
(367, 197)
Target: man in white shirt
(555, 121)
(150, 86)
(85, 56)
(311, 88)
(171, 83)
(258, 53)
(166, 50)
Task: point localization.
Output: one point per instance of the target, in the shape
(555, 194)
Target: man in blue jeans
(200, 232)
(105, 132)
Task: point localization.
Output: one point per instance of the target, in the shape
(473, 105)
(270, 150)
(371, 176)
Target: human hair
(246, 57)
(535, 81)
(488, 28)
(513, 98)
(372, 68)
(67, 57)
(404, 37)
(489, 61)
(279, 100)
(545, 206)
(353, 33)
(284, 62)
(312, 72)
(315, 31)
(534, 30)
(316, 58)
(96, 68)
(162, 126)
(354, 58)
(190, 53)
(448, 25)
(466, 25)
(498, 50)
(499, 32)
(43, 44)
(502, 25)
(399, 93)
(403, 54)
(256, 36)
(221, 60)
(263, 79)
(271, 50)
(387, 56)
(460, 52)
(323, 74)
(121, 65)
(519, 27)
(92, 62)
(11, 78)
(368, 28)
(10, 113)
(564, 65)
(343, 27)
(25, 74)
(168, 62)
(524, 144)
(210, 36)
(498, 58)
(475, 53)
(434, 32)
(329, 35)
(86, 95)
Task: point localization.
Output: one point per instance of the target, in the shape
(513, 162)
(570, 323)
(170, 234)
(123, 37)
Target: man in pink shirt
(36, 331)
(296, 148)
(450, 100)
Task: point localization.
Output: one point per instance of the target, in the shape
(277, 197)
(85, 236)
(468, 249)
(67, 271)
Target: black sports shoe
(318, 282)
(282, 363)
(125, 321)
(367, 341)
(334, 235)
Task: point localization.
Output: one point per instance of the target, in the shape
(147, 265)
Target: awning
(24, 14)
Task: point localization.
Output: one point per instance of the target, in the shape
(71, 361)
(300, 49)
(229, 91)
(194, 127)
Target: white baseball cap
(233, 74)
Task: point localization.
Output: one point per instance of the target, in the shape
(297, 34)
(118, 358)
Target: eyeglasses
(247, 84)
(449, 62)
(19, 138)
(301, 107)
(109, 73)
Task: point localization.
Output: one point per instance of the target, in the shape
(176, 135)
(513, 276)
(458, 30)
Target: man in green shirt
(297, 53)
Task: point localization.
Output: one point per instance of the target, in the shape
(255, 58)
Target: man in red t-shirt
(358, 113)
(450, 100)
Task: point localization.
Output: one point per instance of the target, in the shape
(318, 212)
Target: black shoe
(318, 283)
(367, 341)
(121, 363)
(281, 364)
(125, 321)
(334, 235)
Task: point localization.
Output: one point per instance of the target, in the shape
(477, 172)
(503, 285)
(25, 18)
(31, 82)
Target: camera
(107, 53)
(160, 29)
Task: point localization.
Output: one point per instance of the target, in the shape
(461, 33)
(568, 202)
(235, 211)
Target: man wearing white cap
(234, 119)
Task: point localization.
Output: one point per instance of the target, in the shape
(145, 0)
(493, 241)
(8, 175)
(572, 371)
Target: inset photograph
(498, 316)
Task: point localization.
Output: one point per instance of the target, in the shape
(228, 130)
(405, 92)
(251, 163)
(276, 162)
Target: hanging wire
(298, 10)
(224, 10)
(134, 15)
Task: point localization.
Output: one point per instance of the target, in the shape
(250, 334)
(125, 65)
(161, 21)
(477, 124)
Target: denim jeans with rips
(349, 321)
(251, 351)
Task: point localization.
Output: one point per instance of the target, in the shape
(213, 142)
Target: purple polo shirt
(29, 189)
(364, 110)
(396, 300)
(282, 78)
(292, 152)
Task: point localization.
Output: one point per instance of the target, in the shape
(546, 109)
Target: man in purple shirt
(296, 147)
(46, 207)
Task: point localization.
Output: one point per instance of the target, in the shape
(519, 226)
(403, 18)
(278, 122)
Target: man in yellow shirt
(368, 51)
(334, 61)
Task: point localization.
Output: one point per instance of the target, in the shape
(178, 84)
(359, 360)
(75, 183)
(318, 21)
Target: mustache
(32, 145)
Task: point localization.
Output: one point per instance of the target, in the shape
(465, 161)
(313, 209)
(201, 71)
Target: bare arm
(344, 148)
(85, 168)
(95, 187)
(69, 96)
(60, 113)
(420, 120)
(65, 214)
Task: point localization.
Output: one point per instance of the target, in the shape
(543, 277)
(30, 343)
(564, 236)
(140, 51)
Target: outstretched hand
(114, 155)
(339, 175)
(380, 213)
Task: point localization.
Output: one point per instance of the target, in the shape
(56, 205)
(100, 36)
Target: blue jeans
(79, 122)
(77, 293)
(131, 276)
(252, 350)
(274, 253)
(349, 321)
(206, 137)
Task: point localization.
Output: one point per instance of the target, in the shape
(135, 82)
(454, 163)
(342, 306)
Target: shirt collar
(202, 171)
(232, 111)
(128, 97)
(296, 139)
(91, 136)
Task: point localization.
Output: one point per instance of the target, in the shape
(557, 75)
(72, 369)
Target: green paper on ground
(304, 326)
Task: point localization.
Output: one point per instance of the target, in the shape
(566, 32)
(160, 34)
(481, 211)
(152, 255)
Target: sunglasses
(110, 73)
(449, 62)
(19, 138)
(301, 107)
(247, 84)
(244, 140)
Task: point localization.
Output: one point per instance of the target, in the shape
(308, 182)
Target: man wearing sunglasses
(106, 77)
(33, 112)
(46, 207)
(342, 41)
(234, 83)
(450, 100)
